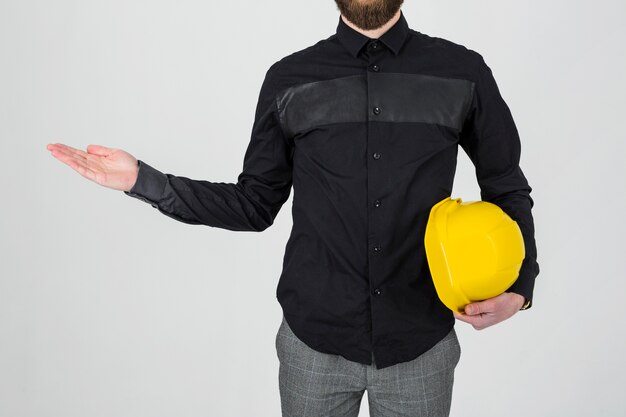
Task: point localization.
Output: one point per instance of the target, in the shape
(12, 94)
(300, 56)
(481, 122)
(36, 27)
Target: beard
(368, 14)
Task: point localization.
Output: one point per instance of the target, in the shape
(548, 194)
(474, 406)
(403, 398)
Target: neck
(374, 33)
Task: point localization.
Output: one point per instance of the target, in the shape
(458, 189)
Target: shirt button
(376, 110)
(377, 248)
(376, 291)
(377, 203)
(374, 44)
(376, 155)
(375, 68)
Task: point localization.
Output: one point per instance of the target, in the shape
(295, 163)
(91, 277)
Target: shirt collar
(393, 38)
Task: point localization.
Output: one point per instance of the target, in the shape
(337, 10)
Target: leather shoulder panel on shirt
(401, 97)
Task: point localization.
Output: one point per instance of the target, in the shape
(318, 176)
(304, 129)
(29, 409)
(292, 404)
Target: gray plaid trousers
(317, 384)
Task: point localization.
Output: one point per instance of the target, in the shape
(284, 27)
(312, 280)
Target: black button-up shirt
(367, 133)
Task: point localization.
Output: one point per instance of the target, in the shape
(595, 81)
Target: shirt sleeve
(250, 204)
(491, 140)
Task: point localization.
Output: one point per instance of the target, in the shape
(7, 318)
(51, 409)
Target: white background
(109, 308)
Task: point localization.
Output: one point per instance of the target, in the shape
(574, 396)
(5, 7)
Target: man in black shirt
(365, 125)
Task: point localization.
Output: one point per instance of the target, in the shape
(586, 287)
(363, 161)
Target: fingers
(92, 161)
(481, 307)
(75, 162)
(479, 322)
(69, 150)
(482, 314)
(479, 314)
(67, 154)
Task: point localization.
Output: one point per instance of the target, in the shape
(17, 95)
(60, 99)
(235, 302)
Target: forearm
(518, 206)
(232, 206)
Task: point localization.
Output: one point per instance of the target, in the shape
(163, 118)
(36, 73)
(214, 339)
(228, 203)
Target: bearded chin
(368, 14)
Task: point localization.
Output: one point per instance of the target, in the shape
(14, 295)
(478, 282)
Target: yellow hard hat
(474, 251)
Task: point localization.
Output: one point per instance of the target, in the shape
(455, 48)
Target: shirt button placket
(374, 172)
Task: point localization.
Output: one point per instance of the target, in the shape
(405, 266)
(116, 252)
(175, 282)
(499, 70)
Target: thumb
(99, 150)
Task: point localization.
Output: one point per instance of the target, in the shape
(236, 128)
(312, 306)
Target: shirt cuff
(523, 286)
(150, 184)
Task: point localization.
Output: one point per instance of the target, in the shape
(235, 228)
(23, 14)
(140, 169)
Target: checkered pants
(317, 384)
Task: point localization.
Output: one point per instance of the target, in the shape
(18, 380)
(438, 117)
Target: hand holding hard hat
(474, 251)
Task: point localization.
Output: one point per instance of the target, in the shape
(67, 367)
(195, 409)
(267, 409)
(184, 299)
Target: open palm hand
(109, 167)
